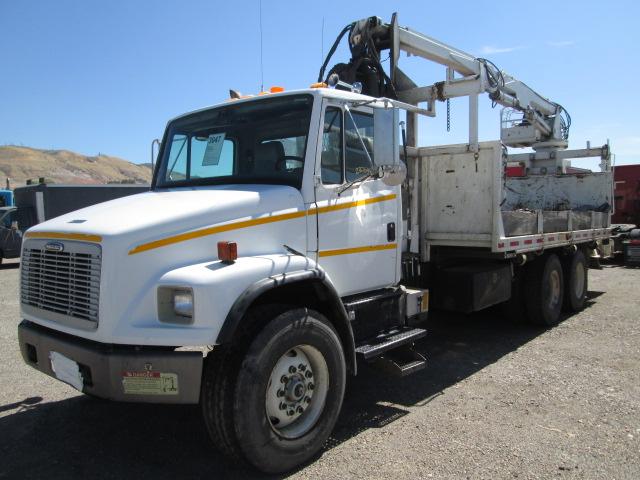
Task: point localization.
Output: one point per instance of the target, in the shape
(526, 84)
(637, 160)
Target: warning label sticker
(150, 383)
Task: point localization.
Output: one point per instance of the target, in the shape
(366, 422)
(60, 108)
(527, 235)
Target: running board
(401, 362)
(377, 346)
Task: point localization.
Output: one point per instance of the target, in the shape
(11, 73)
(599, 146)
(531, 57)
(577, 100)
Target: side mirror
(386, 146)
(392, 175)
(386, 141)
(154, 142)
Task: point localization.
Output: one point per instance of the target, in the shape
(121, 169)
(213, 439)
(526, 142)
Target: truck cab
(265, 209)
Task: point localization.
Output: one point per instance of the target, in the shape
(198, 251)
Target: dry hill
(63, 166)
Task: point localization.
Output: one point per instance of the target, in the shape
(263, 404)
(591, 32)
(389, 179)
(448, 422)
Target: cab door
(357, 239)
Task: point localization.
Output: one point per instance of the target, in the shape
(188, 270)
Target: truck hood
(157, 214)
(147, 239)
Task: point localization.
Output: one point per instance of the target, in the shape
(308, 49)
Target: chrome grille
(65, 283)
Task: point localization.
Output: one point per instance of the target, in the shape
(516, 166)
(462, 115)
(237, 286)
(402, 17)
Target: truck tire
(544, 287)
(576, 275)
(275, 403)
(219, 377)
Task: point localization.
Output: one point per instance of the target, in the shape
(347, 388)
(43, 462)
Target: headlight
(175, 304)
(183, 303)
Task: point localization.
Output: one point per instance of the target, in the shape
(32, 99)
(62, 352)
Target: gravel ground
(497, 401)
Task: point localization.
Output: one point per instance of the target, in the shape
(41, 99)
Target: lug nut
(307, 399)
(283, 406)
(308, 374)
(283, 379)
(299, 410)
(280, 393)
(302, 367)
(292, 369)
(311, 386)
(290, 413)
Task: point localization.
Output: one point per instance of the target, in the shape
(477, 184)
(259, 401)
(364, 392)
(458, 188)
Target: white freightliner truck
(289, 237)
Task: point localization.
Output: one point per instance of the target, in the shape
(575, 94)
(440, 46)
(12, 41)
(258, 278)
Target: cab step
(377, 346)
(401, 362)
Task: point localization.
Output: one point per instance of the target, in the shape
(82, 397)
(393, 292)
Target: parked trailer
(44, 201)
(626, 194)
(330, 248)
(40, 202)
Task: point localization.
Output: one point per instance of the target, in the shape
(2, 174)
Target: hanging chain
(448, 115)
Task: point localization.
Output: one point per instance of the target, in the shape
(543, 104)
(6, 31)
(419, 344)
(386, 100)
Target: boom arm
(528, 120)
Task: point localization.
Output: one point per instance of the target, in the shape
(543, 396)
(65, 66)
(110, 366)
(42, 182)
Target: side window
(331, 158)
(356, 162)
(211, 156)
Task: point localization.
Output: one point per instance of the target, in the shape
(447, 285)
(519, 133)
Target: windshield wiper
(293, 251)
(170, 172)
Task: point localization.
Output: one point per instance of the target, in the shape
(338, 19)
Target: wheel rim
(554, 289)
(578, 280)
(297, 391)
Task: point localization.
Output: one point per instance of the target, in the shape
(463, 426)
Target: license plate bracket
(66, 370)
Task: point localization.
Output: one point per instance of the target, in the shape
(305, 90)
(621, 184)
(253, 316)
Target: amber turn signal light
(227, 251)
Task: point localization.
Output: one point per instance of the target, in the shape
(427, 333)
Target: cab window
(357, 162)
(331, 158)
(343, 157)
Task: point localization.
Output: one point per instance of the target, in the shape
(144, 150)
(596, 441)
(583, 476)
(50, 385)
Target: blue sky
(106, 76)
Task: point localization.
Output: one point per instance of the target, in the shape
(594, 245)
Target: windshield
(262, 141)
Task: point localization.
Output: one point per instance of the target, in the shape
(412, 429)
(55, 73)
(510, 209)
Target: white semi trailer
(289, 237)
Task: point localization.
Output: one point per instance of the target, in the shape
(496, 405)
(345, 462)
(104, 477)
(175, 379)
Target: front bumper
(116, 372)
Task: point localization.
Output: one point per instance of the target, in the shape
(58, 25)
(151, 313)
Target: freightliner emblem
(54, 247)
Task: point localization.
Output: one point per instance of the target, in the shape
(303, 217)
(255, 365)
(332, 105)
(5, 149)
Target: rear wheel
(576, 275)
(544, 290)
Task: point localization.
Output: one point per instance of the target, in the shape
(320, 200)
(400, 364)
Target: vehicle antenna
(322, 42)
(261, 62)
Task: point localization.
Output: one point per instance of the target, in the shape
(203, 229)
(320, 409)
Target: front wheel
(288, 392)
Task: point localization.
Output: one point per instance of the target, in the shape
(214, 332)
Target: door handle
(391, 232)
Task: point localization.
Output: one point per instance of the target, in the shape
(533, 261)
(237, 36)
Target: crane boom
(528, 119)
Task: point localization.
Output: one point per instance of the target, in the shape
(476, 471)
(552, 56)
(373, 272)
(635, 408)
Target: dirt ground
(497, 401)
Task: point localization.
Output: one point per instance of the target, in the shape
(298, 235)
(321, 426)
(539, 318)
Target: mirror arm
(348, 185)
(389, 102)
(404, 141)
